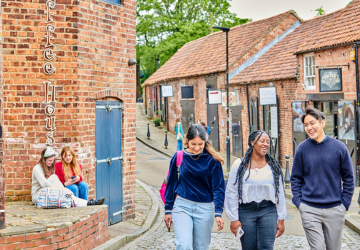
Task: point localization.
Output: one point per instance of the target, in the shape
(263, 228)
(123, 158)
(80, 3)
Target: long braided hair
(246, 164)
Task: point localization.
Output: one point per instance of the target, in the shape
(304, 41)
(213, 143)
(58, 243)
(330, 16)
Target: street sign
(232, 99)
(214, 97)
(267, 96)
(167, 90)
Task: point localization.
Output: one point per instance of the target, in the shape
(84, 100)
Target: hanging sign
(330, 80)
(274, 122)
(167, 90)
(214, 97)
(267, 96)
(232, 99)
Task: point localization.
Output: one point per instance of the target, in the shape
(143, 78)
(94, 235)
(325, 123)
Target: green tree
(320, 11)
(164, 26)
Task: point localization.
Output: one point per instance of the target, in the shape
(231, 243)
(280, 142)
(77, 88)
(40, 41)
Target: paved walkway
(142, 209)
(157, 135)
(24, 217)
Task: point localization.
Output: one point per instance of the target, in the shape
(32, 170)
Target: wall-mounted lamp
(271, 84)
(131, 62)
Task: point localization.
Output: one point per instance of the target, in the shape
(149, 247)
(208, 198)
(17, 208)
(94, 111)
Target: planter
(157, 124)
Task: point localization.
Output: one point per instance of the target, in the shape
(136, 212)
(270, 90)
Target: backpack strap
(179, 158)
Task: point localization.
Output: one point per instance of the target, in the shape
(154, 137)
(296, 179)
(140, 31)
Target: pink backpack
(179, 158)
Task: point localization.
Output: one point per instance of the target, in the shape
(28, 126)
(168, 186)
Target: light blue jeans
(193, 222)
(179, 145)
(80, 190)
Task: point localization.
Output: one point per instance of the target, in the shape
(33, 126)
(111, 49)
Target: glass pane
(306, 71)
(312, 60)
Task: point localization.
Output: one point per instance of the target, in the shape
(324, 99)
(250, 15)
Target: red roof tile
(280, 62)
(207, 55)
(342, 28)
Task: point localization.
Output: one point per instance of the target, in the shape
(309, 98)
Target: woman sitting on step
(70, 173)
(43, 176)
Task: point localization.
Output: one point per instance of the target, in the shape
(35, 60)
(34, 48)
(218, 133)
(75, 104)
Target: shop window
(309, 71)
(187, 92)
(119, 2)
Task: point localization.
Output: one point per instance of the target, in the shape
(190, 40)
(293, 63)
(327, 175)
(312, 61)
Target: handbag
(179, 158)
(179, 136)
(55, 197)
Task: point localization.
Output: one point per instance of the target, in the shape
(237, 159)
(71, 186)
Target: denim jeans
(193, 222)
(259, 222)
(80, 190)
(179, 145)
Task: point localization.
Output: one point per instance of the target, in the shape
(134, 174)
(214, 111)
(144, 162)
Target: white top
(39, 181)
(258, 187)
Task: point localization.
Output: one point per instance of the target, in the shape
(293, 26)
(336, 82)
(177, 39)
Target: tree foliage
(164, 26)
(320, 11)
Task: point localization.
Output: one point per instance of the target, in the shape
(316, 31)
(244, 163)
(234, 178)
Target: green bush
(156, 121)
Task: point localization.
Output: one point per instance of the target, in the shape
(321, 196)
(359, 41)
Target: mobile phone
(239, 233)
(72, 177)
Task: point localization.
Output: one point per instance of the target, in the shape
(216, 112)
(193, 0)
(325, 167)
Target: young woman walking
(255, 197)
(44, 176)
(70, 173)
(179, 133)
(193, 190)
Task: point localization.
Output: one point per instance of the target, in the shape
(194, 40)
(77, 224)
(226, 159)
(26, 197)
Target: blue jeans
(259, 222)
(179, 145)
(80, 190)
(193, 222)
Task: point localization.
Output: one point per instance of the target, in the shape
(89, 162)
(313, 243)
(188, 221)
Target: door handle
(212, 122)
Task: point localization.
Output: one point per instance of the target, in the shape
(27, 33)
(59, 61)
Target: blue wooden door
(108, 154)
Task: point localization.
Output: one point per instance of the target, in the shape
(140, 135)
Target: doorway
(108, 157)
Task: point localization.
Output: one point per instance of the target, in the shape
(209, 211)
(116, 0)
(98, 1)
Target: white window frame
(309, 71)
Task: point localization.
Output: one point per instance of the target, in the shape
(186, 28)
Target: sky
(261, 9)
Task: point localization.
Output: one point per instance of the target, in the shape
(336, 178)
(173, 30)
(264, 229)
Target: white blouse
(259, 186)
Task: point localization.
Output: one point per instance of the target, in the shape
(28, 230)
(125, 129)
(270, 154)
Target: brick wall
(93, 41)
(86, 234)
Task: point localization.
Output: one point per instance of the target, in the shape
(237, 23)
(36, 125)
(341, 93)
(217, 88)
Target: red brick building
(63, 62)
(278, 57)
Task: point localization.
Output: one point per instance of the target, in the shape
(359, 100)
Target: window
(309, 71)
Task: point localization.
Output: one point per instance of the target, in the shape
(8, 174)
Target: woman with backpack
(70, 173)
(179, 133)
(44, 179)
(255, 197)
(193, 189)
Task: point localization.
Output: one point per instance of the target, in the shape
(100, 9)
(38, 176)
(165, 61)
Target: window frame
(306, 85)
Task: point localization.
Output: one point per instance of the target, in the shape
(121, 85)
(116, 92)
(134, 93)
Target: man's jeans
(80, 190)
(259, 222)
(193, 222)
(323, 223)
(179, 145)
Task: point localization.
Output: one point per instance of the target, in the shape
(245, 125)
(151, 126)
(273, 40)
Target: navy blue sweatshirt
(318, 169)
(201, 180)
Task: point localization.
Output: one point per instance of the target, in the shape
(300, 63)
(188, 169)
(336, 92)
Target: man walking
(320, 163)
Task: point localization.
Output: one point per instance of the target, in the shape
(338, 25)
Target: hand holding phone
(72, 177)
(239, 233)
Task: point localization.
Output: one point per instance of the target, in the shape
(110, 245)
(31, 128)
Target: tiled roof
(342, 28)
(280, 62)
(207, 55)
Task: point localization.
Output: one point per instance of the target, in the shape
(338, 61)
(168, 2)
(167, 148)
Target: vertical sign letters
(49, 69)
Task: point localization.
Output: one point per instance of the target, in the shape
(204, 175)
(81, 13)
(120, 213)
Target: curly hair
(246, 164)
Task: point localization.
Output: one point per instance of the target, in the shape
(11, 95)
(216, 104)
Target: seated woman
(70, 173)
(44, 176)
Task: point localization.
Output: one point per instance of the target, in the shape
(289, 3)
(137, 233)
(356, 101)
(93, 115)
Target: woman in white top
(43, 176)
(255, 197)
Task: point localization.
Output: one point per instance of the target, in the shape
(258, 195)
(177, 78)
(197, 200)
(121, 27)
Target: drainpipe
(356, 45)
(248, 105)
